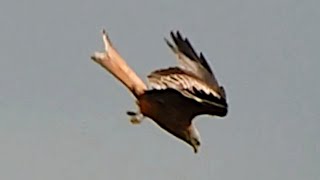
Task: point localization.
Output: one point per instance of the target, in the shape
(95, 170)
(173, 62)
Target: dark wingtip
(168, 43)
(179, 35)
(172, 35)
(176, 35)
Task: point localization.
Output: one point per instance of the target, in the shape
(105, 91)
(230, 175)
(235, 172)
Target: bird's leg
(136, 118)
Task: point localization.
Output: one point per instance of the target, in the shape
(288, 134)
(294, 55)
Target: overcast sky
(63, 117)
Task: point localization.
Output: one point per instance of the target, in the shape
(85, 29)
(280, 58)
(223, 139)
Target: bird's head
(193, 138)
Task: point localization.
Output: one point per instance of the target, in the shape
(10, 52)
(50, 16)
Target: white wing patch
(180, 82)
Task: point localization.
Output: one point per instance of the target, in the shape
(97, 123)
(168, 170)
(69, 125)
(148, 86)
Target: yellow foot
(136, 118)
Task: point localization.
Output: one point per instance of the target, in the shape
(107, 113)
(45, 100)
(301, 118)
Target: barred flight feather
(185, 83)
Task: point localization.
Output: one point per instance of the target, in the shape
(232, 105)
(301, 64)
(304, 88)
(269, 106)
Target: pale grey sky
(63, 117)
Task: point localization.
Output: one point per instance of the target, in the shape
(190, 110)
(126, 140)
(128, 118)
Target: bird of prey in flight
(175, 95)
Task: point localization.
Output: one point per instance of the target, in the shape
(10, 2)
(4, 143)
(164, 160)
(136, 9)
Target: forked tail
(116, 65)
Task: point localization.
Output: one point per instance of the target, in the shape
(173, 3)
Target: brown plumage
(175, 95)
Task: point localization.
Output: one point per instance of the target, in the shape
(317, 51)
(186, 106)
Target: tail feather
(112, 61)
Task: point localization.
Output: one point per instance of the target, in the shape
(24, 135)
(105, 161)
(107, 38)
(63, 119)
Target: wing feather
(185, 47)
(190, 61)
(187, 84)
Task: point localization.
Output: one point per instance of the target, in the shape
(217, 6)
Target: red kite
(175, 95)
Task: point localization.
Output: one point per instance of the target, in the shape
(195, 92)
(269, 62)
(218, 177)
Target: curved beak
(195, 149)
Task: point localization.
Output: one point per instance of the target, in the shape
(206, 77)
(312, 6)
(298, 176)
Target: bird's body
(175, 95)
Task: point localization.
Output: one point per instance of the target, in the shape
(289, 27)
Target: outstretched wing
(187, 84)
(184, 46)
(190, 61)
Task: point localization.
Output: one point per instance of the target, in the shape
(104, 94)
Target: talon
(136, 118)
(131, 113)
